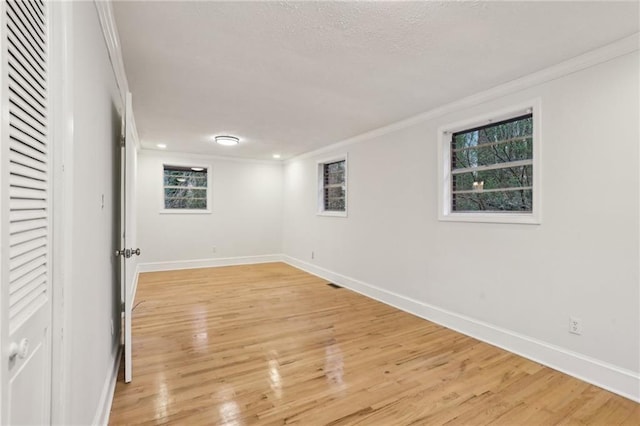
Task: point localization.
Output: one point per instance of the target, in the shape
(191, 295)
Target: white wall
(245, 218)
(92, 292)
(519, 281)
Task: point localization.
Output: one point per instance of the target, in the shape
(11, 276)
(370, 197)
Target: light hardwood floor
(269, 345)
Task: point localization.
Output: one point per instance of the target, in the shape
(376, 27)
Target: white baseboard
(206, 263)
(106, 397)
(615, 379)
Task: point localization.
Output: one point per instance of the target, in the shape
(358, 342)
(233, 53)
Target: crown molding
(603, 54)
(112, 40)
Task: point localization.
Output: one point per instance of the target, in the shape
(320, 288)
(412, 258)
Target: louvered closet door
(26, 210)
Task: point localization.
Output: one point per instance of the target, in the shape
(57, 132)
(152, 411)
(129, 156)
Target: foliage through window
(185, 187)
(334, 186)
(492, 167)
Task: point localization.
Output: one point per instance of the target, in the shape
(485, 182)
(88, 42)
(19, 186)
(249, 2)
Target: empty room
(320, 212)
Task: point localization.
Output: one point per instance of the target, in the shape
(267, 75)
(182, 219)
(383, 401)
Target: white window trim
(209, 170)
(444, 167)
(320, 173)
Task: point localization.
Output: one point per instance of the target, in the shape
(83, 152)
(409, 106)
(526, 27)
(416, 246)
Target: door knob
(127, 253)
(13, 350)
(20, 350)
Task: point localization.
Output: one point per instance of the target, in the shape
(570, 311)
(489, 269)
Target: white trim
(615, 379)
(606, 53)
(103, 411)
(533, 106)
(184, 211)
(320, 185)
(112, 40)
(4, 219)
(134, 128)
(62, 90)
(207, 263)
(329, 213)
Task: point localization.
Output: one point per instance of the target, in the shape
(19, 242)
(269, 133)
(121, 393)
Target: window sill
(184, 211)
(332, 214)
(516, 218)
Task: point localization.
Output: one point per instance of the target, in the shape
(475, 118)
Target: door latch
(127, 253)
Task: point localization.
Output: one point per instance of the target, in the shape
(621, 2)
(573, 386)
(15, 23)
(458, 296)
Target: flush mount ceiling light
(161, 146)
(197, 169)
(276, 156)
(227, 140)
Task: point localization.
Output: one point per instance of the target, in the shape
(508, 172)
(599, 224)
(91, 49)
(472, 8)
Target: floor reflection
(334, 366)
(162, 399)
(228, 409)
(200, 340)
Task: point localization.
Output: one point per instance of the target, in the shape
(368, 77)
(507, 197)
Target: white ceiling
(290, 77)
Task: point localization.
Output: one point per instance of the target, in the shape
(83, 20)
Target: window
(490, 169)
(332, 184)
(186, 188)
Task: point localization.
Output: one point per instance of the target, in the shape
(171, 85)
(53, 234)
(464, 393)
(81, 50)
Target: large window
(186, 188)
(490, 169)
(332, 185)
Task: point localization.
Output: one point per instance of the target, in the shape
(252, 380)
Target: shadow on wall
(117, 128)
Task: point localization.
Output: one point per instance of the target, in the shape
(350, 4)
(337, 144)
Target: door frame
(62, 91)
(62, 254)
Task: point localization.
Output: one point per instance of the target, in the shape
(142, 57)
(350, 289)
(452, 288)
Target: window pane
(501, 201)
(185, 178)
(513, 128)
(494, 144)
(336, 205)
(516, 150)
(185, 188)
(334, 199)
(334, 186)
(508, 177)
(185, 198)
(334, 173)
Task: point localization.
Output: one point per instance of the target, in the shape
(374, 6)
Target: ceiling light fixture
(276, 156)
(161, 145)
(227, 140)
(197, 169)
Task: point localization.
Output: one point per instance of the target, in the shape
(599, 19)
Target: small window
(186, 188)
(492, 167)
(491, 170)
(332, 178)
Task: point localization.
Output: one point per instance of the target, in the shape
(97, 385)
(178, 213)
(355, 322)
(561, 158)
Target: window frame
(320, 185)
(445, 134)
(209, 170)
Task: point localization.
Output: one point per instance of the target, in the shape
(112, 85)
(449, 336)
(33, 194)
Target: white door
(127, 223)
(25, 214)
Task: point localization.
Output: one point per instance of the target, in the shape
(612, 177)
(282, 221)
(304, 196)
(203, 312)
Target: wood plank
(270, 345)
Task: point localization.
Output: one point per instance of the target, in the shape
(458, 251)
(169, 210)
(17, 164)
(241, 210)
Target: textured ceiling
(290, 77)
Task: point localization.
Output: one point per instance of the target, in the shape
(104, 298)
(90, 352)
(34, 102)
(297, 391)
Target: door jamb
(62, 91)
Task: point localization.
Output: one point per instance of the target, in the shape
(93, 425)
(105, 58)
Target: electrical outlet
(214, 249)
(312, 255)
(112, 329)
(575, 325)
